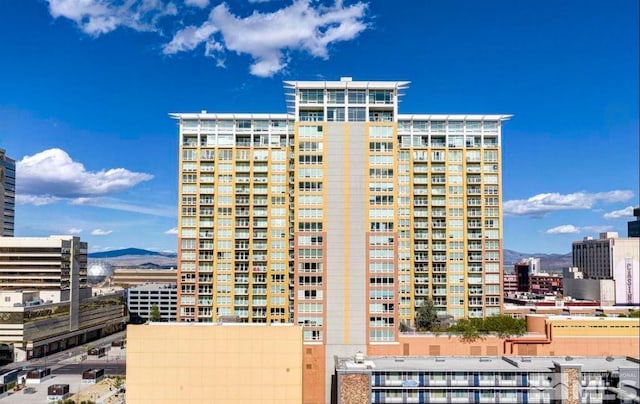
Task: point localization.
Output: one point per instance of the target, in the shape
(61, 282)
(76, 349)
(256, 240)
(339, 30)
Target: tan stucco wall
(197, 363)
(313, 375)
(444, 345)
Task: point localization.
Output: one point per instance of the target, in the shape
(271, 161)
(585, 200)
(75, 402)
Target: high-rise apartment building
(341, 215)
(7, 193)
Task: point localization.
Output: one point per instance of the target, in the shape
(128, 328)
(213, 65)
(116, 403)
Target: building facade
(495, 379)
(43, 263)
(211, 363)
(142, 298)
(611, 257)
(45, 302)
(543, 283)
(7, 194)
(510, 283)
(342, 215)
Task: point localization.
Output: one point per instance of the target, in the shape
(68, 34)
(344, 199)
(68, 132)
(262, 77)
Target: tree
(505, 326)
(467, 330)
(427, 317)
(154, 315)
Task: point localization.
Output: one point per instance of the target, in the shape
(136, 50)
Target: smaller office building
(142, 298)
(46, 304)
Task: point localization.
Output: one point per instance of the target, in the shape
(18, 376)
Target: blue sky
(86, 86)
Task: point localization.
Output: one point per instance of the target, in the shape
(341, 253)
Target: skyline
(99, 74)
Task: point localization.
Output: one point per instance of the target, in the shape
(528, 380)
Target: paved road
(53, 360)
(110, 368)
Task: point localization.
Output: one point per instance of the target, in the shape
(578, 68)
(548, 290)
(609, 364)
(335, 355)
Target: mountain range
(146, 258)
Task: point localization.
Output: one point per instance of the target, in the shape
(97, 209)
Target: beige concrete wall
(207, 363)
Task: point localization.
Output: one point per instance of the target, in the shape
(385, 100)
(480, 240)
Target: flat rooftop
(485, 363)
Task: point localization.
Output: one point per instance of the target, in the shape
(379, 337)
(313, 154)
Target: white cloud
(100, 232)
(571, 229)
(173, 230)
(117, 204)
(51, 175)
(617, 214)
(197, 3)
(96, 17)
(269, 37)
(35, 200)
(563, 229)
(189, 38)
(74, 230)
(541, 204)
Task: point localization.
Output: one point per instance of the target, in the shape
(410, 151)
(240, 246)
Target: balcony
(421, 235)
(422, 257)
(421, 201)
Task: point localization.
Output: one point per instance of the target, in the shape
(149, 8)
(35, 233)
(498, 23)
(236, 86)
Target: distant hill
(548, 262)
(128, 252)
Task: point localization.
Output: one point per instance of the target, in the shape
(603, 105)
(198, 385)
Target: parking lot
(69, 371)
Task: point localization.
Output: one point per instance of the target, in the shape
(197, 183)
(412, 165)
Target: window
(380, 96)
(357, 97)
(380, 146)
(311, 116)
(310, 146)
(310, 132)
(381, 160)
(356, 114)
(381, 132)
(335, 114)
(310, 159)
(310, 186)
(311, 96)
(335, 96)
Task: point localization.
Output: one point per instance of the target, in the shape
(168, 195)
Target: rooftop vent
(359, 357)
(439, 359)
(485, 359)
(568, 358)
